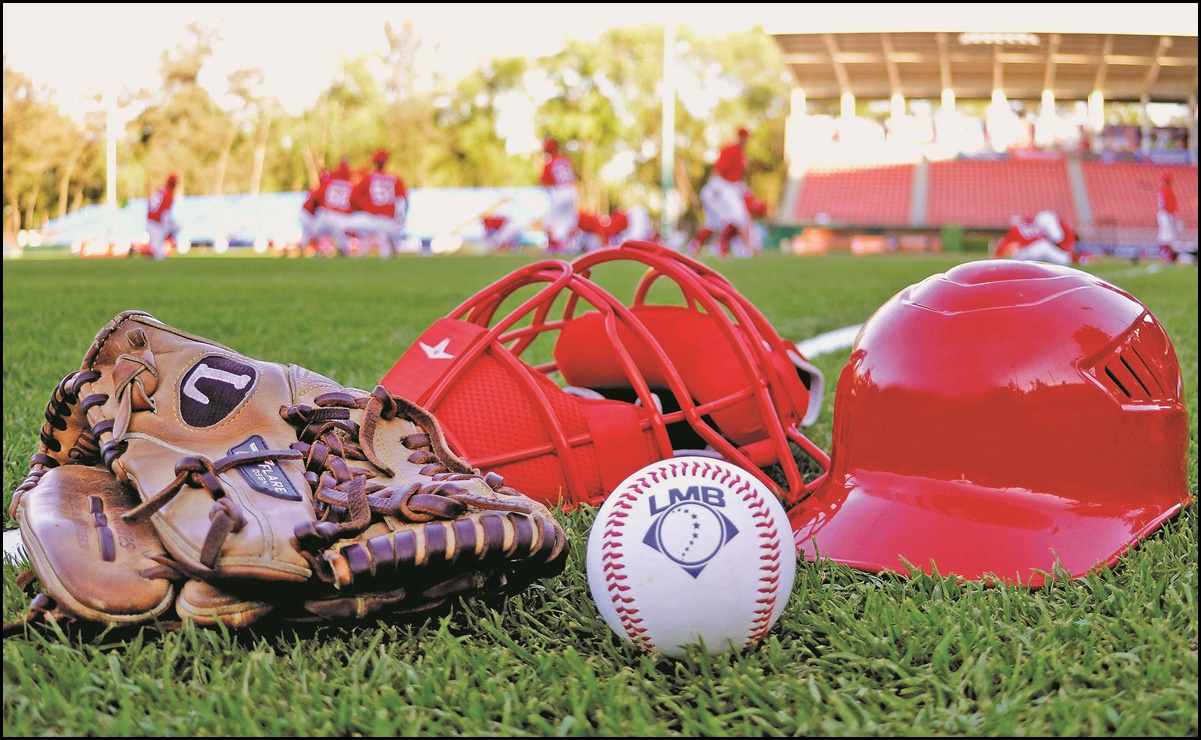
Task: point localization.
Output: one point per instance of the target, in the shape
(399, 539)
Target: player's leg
(1166, 235)
(1042, 250)
(712, 223)
(339, 234)
(154, 235)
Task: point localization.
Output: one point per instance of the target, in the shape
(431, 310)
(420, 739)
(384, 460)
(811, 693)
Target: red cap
(550, 146)
(380, 156)
(172, 179)
(743, 133)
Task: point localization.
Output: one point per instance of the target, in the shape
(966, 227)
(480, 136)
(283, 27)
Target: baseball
(691, 550)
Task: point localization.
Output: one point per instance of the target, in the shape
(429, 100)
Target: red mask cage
(622, 385)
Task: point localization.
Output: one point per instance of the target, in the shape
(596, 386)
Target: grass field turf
(1114, 653)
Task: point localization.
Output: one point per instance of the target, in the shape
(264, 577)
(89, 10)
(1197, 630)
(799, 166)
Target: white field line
(1149, 268)
(14, 548)
(831, 341)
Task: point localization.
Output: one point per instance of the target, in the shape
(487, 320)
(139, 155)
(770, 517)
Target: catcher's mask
(573, 389)
(998, 422)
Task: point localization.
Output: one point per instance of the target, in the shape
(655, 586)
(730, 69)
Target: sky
(80, 50)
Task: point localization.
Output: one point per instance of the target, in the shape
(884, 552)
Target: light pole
(667, 159)
(110, 162)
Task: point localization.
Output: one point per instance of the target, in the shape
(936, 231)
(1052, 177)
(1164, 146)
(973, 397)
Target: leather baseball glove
(174, 472)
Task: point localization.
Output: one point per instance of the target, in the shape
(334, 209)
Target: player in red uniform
(1168, 218)
(724, 200)
(160, 223)
(333, 208)
(380, 203)
(561, 220)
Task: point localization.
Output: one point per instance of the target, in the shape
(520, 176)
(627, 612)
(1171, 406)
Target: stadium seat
(988, 193)
(870, 196)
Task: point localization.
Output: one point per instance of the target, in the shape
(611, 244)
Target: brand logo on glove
(266, 476)
(689, 527)
(213, 388)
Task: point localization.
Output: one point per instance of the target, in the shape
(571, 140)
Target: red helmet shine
(999, 422)
(572, 389)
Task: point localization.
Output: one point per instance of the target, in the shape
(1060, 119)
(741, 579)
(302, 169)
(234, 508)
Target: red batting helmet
(1000, 421)
(573, 389)
(550, 146)
(172, 180)
(743, 133)
(380, 156)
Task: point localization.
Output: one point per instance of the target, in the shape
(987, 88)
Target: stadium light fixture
(999, 39)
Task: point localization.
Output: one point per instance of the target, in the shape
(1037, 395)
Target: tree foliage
(603, 100)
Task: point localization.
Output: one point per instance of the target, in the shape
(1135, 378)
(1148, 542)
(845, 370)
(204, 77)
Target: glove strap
(226, 516)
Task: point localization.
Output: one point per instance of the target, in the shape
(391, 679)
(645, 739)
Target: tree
(181, 129)
(253, 119)
(471, 151)
(40, 145)
(82, 163)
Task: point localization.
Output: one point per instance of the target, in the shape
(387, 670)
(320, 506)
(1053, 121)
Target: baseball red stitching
(613, 566)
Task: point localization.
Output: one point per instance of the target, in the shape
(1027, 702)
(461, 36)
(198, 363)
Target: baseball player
(1168, 217)
(502, 233)
(1045, 238)
(561, 220)
(160, 223)
(638, 226)
(756, 209)
(598, 231)
(380, 204)
(334, 209)
(724, 200)
(308, 214)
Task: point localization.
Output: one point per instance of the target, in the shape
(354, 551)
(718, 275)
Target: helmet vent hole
(1131, 378)
(1134, 374)
(1118, 383)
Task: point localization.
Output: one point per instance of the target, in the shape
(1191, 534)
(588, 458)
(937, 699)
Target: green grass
(1114, 653)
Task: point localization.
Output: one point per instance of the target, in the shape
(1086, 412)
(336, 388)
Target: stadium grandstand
(935, 137)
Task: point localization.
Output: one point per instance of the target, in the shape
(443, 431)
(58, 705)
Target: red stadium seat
(988, 194)
(857, 195)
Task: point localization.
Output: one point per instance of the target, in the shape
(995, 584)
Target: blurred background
(873, 127)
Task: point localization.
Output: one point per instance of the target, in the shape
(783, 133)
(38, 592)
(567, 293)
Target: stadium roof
(1122, 55)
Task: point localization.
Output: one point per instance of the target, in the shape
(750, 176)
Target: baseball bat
(486, 212)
